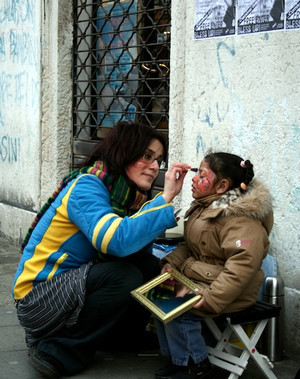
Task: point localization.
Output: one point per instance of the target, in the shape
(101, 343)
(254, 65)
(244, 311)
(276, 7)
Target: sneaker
(166, 371)
(202, 370)
(43, 363)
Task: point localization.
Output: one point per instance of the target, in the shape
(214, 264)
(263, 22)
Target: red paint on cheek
(203, 184)
(138, 164)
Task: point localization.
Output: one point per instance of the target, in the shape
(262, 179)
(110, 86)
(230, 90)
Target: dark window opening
(121, 67)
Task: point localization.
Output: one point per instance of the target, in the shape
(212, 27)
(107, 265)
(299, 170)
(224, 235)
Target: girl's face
(204, 182)
(144, 171)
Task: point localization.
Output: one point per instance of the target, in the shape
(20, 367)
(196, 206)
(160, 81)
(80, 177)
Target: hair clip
(243, 186)
(243, 164)
(193, 169)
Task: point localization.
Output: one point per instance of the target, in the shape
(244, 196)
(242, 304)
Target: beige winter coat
(226, 239)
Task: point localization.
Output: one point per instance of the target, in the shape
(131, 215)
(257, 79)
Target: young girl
(226, 238)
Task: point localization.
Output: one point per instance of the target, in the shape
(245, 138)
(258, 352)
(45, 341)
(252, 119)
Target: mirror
(167, 309)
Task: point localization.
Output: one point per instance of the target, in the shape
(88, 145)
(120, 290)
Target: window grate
(121, 65)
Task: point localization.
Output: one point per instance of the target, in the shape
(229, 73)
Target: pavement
(107, 365)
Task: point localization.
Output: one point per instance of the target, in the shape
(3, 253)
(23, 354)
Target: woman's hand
(174, 180)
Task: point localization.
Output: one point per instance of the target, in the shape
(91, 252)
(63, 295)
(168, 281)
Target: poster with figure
(292, 17)
(254, 16)
(117, 78)
(214, 18)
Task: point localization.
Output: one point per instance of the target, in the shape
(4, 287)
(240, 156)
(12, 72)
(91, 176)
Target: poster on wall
(292, 17)
(214, 18)
(260, 16)
(220, 18)
(117, 50)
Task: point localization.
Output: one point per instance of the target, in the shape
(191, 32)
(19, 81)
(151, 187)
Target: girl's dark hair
(231, 167)
(125, 144)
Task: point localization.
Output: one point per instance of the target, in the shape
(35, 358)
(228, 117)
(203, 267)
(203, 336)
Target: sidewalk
(13, 351)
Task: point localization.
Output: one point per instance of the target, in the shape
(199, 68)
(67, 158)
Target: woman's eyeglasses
(149, 158)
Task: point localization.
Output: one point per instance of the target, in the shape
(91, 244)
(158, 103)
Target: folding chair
(232, 356)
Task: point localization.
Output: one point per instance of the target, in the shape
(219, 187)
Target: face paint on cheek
(203, 184)
(138, 164)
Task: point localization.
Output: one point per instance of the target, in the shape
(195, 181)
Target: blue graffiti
(5, 87)
(232, 51)
(200, 145)
(2, 48)
(17, 11)
(206, 118)
(23, 48)
(216, 113)
(10, 149)
(222, 118)
(21, 87)
(1, 119)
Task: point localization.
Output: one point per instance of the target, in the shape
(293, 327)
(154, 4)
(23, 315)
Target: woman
(89, 247)
(226, 239)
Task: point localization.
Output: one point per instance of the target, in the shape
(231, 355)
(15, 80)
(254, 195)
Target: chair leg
(234, 358)
(262, 361)
(224, 354)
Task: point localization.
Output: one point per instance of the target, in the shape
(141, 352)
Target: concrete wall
(35, 107)
(19, 111)
(241, 94)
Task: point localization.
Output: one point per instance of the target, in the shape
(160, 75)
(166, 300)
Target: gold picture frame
(140, 295)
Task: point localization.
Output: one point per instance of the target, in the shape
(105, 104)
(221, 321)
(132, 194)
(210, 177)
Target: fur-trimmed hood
(255, 203)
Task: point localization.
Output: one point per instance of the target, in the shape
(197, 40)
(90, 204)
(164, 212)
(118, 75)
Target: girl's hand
(166, 268)
(174, 180)
(181, 290)
(202, 304)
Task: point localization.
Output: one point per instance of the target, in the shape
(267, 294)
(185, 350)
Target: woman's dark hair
(231, 167)
(125, 144)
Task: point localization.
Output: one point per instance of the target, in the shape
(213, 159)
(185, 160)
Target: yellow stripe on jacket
(50, 243)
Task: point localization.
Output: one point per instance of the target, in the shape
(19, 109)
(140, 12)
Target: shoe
(166, 371)
(202, 370)
(43, 363)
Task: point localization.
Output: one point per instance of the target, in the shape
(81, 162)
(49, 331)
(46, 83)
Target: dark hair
(228, 166)
(125, 144)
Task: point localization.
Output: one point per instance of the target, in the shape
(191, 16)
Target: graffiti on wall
(215, 113)
(219, 110)
(19, 75)
(277, 117)
(9, 149)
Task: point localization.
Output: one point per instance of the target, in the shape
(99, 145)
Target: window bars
(121, 64)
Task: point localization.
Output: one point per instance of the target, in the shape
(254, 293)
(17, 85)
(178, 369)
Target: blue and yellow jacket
(79, 224)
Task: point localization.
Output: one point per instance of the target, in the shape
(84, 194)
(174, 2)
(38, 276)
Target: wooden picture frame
(140, 294)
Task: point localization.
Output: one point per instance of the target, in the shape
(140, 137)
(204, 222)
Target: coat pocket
(200, 271)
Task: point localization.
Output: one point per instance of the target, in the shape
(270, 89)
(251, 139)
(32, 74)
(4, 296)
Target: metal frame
(121, 64)
(140, 294)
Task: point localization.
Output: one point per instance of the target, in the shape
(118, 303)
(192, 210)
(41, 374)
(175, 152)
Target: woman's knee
(116, 275)
(131, 276)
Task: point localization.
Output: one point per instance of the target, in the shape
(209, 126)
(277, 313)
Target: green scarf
(123, 201)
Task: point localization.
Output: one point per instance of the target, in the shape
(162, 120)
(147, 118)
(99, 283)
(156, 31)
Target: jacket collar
(256, 203)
